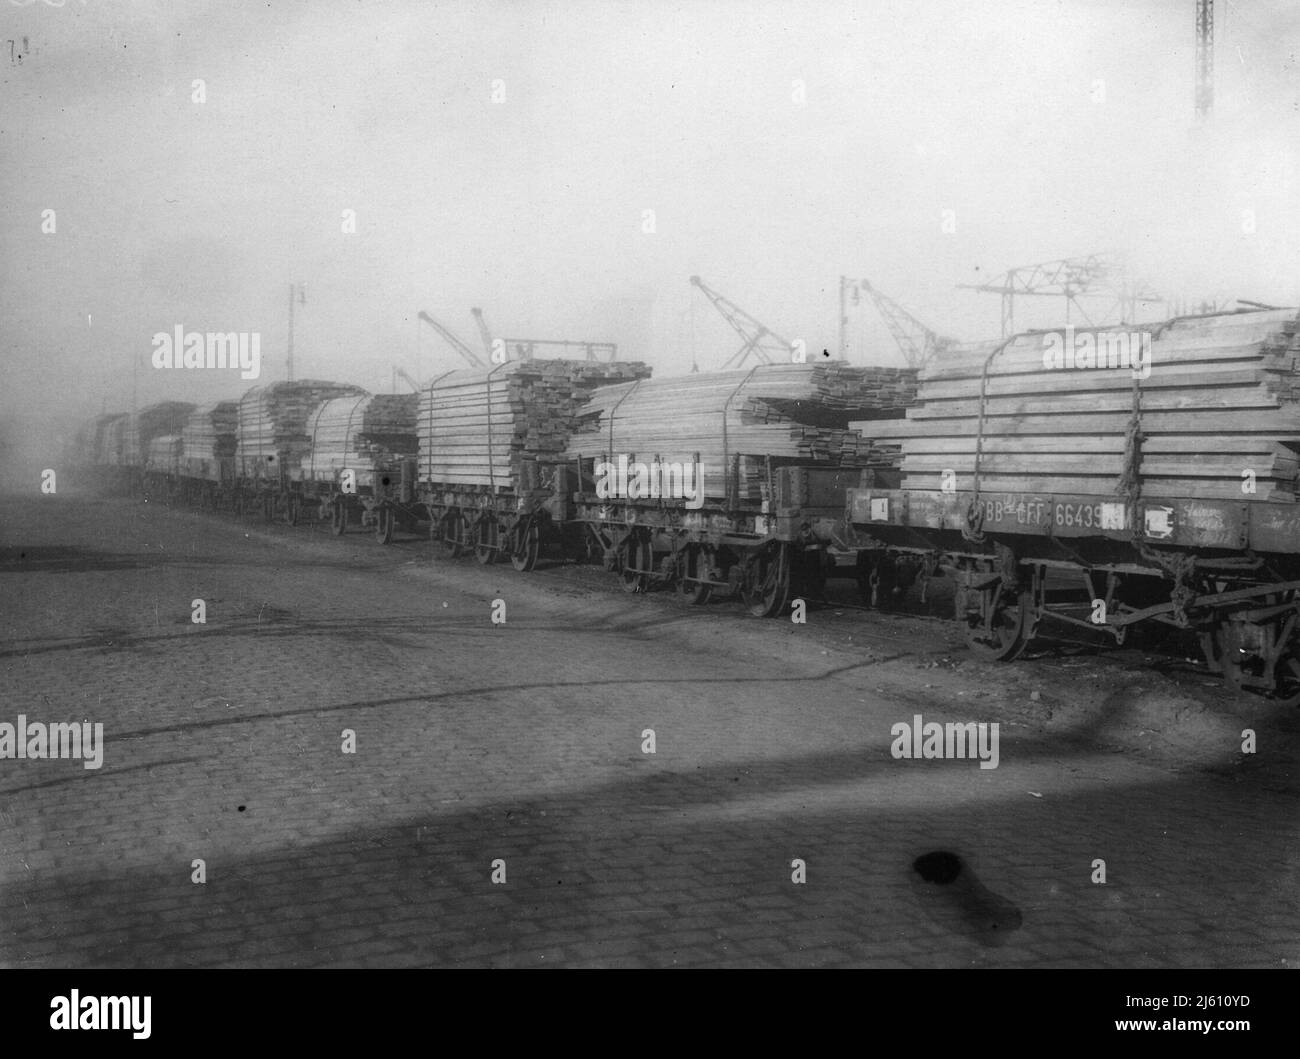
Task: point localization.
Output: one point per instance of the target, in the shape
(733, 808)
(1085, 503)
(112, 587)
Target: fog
(506, 155)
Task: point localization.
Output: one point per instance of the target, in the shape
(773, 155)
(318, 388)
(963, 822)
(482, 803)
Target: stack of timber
(166, 417)
(272, 425)
(491, 428)
(106, 440)
(164, 454)
(1218, 413)
(363, 434)
(788, 413)
(209, 439)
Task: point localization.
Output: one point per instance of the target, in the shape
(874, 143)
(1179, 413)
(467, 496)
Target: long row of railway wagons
(1091, 554)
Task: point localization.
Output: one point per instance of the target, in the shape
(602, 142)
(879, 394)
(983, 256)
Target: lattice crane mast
(756, 337)
(452, 339)
(918, 344)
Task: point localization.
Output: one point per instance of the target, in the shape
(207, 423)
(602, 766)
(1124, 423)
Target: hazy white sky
(175, 212)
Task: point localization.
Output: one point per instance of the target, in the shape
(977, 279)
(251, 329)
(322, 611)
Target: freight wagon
(1168, 496)
(1098, 498)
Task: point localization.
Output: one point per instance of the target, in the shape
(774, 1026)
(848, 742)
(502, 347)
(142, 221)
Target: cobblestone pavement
(522, 743)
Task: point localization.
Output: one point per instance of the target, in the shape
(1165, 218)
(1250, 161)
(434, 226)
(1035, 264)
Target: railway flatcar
(361, 463)
(271, 440)
(1102, 491)
(732, 482)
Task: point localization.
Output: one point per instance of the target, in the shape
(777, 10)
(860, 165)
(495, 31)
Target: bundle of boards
(164, 454)
(272, 424)
(1217, 415)
(489, 428)
(140, 428)
(208, 438)
(360, 433)
(787, 413)
(104, 439)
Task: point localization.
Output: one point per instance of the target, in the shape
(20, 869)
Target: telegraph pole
(1204, 59)
(298, 293)
(844, 320)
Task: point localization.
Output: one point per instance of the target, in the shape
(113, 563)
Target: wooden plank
(1240, 444)
(1101, 485)
(1192, 400)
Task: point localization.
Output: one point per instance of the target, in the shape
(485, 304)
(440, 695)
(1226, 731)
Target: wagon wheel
(487, 539)
(385, 522)
(1243, 652)
(452, 525)
(1003, 636)
(526, 544)
(767, 582)
(338, 518)
(637, 556)
(694, 566)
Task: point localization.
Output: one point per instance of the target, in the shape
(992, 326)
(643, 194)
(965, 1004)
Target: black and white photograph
(635, 485)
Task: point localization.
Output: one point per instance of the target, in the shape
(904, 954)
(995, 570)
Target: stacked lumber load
(106, 439)
(271, 424)
(113, 442)
(166, 417)
(490, 428)
(164, 454)
(790, 413)
(1220, 398)
(208, 439)
(360, 433)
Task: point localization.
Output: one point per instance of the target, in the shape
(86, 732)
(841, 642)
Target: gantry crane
(916, 342)
(756, 336)
(1092, 275)
(526, 348)
(1065, 278)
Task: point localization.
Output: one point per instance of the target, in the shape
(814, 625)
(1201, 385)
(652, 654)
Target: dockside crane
(757, 338)
(452, 339)
(918, 343)
(485, 332)
(398, 373)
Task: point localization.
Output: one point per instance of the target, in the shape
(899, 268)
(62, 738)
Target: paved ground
(522, 742)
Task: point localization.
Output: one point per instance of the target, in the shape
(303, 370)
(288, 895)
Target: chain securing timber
(973, 530)
(1181, 566)
(1008, 568)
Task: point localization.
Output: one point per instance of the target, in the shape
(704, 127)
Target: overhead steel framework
(528, 348)
(1093, 275)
